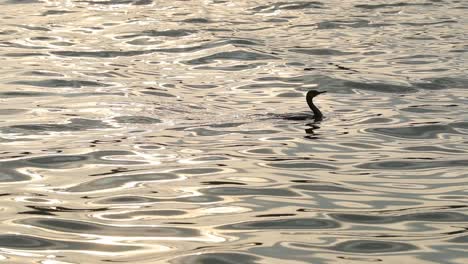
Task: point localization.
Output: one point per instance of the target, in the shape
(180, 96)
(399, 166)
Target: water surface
(143, 131)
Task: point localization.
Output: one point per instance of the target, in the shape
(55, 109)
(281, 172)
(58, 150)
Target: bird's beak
(322, 92)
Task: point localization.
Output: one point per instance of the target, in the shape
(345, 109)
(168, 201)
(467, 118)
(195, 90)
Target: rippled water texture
(145, 131)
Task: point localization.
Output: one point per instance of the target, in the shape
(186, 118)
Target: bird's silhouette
(318, 116)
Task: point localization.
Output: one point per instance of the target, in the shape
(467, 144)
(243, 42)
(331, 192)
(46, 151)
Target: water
(139, 131)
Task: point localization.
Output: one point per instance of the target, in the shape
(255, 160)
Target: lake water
(141, 131)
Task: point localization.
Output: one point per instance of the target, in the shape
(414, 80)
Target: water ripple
(141, 131)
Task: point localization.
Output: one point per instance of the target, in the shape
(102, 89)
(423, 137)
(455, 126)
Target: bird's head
(313, 93)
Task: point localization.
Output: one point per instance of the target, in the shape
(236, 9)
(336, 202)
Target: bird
(318, 116)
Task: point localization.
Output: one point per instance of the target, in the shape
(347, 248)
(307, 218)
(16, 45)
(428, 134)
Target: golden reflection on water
(147, 131)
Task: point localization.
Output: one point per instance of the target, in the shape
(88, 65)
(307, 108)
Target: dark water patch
(14, 94)
(142, 2)
(460, 239)
(161, 94)
(102, 53)
(277, 20)
(52, 210)
(442, 83)
(419, 24)
(364, 219)
(165, 33)
(196, 20)
(110, 157)
(361, 259)
(292, 5)
(433, 217)
(119, 2)
(210, 158)
(114, 171)
(144, 42)
(19, 2)
(75, 124)
(290, 95)
(179, 223)
(7, 32)
(129, 199)
(292, 116)
(372, 246)
(11, 111)
(241, 42)
(118, 181)
(415, 132)
(420, 109)
(58, 83)
(420, 62)
(202, 199)
(412, 165)
(241, 191)
(84, 227)
(217, 258)
(322, 188)
(197, 171)
(56, 12)
(53, 161)
(462, 125)
(283, 224)
(24, 54)
(236, 124)
(136, 120)
(11, 175)
(218, 30)
(43, 73)
(305, 181)
(335, 24)
(238, 67)
(62, 43)
(420, 38)
(300, 165)
(399, 4)
(37, 212)
(454, 50)
(275, 215)
(222, 183)
(27, 242)
(238, 55)
(42, 38)
(321, 52)
(202, 86)
(451, 217)
(433, 149)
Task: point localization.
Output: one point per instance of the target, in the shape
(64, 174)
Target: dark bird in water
(318, 116)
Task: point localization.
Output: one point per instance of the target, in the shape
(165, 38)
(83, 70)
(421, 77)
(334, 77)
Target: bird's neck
(317, 114)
